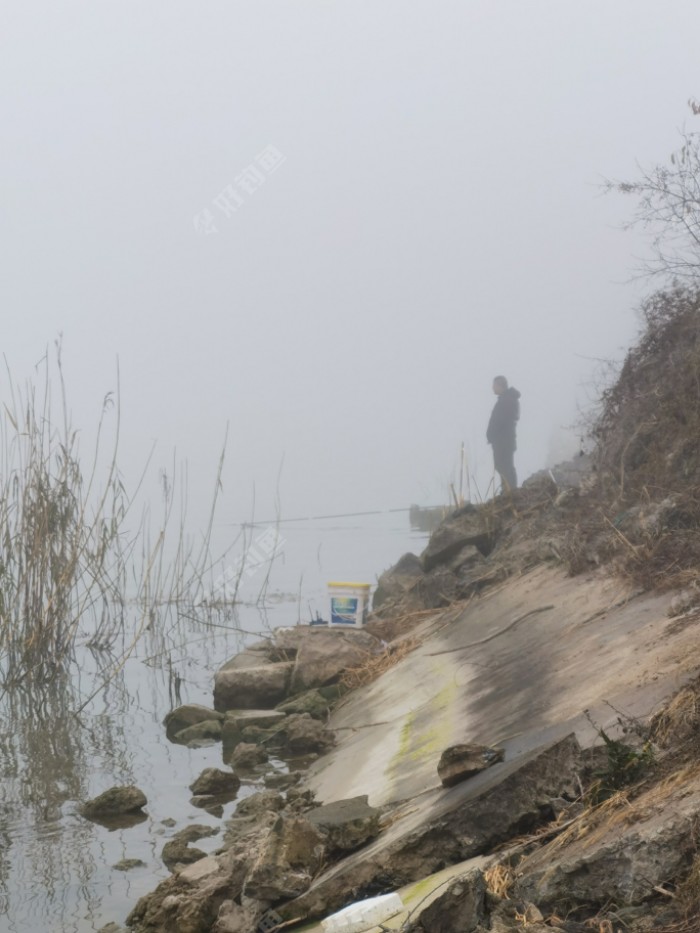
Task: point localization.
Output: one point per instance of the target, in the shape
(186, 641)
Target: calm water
(56, 869)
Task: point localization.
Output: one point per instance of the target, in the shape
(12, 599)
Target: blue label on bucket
(344, 610)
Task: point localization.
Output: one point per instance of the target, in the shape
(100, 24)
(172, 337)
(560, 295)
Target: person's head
(500, 384)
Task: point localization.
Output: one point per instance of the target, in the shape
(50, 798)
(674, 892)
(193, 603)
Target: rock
(239, 719)
(346, 824)
(327, 653)
(247, 755)
(189, 715)
(126, 864)
(177, 851)
(233, 918)
(435, 590)
(207, 731)
(302, 734)
(282, 780)
(466, 527)
(216, 782)
(459, 908)
(114, 802)
(263, 801)
(462, 761)
(112, 928)
(311, 702)
(209, 802)
(260, 687)
(290, 857)
(621, 859)
(189, 902)
(396, 582)
(684, 601)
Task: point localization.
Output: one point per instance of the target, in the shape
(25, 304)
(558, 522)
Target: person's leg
(504, 466)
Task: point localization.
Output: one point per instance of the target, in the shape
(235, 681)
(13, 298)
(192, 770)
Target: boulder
(621, 856)
(233, 918)
(114, 802)
(396, 582)
(311, 701)
(327, 653)
(216, 782)
(280, 780)
(237, 720)
(259, 687)
(301, 735)
(466, 527)
(247, 755)
(290, 857)
(189, 715)
(177, 851)
(459, 908)
(460, 762)
(189, 901)
(263, 801)
(200, 733)
(346, 824)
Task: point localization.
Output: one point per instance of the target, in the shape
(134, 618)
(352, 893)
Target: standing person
(501, 432)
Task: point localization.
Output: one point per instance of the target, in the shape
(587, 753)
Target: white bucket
(349, 603)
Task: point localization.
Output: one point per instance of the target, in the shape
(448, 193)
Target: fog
(328, 226)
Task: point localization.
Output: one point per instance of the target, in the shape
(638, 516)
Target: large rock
(116, 801)
(290, 857)
(470, 527)
(460, 762)
(189, 715)
(247, 755)
(621, 856)
(239, 719)
(311, 701)
(396, 582)
(260, 687)
(178, 851)
(346, 824)
(189, 901)
(301, 734)
(459, 908)
(326, 653)
(202, 733)
(216, 782)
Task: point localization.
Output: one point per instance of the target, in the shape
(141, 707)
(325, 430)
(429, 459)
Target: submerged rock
(460, 762)
(188, 715)
(246, 755)
(213, 781)
(126, 864)
(116, 801)
(178, 851)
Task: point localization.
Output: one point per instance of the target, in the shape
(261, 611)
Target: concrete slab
(516, 668)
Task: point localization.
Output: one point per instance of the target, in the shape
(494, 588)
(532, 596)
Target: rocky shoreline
(485, 747)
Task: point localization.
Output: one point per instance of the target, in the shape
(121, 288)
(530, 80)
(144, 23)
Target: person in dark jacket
(501, 432)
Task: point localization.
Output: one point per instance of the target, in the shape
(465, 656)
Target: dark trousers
(504, 466)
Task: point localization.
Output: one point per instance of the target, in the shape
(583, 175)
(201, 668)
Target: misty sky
(329, 225)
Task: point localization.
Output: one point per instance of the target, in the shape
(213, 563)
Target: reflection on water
(56, 868)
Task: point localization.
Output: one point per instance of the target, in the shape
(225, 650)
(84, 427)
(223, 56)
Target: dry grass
(499, 879)
(378, 664)
(679, 719)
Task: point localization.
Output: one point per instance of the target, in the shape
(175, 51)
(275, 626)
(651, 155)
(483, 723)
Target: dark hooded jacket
(506, 411)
